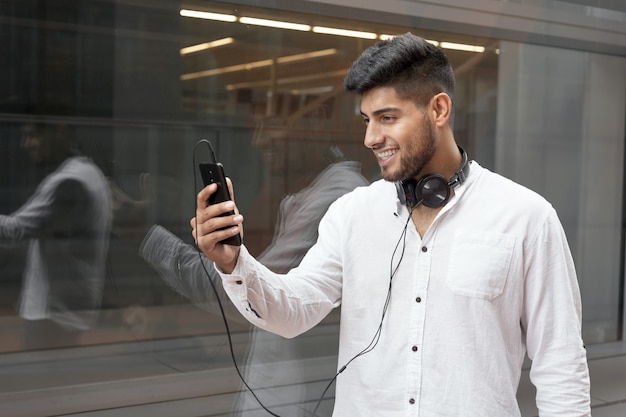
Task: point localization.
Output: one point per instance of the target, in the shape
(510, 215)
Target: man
(443, 290)
(66, 223)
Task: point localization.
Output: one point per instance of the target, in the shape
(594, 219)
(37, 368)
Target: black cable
(374, 342)
(219, 302)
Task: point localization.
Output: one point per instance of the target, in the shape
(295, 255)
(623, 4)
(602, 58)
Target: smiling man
(447, 274)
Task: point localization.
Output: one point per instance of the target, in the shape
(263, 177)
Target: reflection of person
(473, 283)
(66, 224)
(295, 232)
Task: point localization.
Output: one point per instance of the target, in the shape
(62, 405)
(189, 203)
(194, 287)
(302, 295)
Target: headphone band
(460, 176)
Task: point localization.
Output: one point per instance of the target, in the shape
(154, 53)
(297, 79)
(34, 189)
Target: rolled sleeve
(553, 324)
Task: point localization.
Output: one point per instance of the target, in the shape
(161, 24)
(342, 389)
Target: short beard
(415, 156)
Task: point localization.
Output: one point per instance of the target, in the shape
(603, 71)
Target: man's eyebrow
(381, 111)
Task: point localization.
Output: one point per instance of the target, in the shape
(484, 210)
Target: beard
(415, 154)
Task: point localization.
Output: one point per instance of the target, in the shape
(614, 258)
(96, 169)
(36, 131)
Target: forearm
(22, 225)
(186, 271)
(48, 210)
(287, 305)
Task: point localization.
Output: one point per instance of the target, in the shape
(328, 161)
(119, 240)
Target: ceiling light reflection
(274, 23)
(317, 29)
(344, 32)
(258, 64)
(306, 55)
(209, 16)
(206, 45)
(462, 47)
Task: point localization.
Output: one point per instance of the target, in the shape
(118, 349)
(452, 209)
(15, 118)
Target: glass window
(104, 107)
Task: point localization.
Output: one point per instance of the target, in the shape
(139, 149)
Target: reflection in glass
(271, 362)
(65, 224)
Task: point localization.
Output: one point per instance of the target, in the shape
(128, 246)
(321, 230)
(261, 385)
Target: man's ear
(441, 108)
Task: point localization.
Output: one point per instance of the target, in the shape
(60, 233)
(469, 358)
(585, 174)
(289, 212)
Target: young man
(447, 274)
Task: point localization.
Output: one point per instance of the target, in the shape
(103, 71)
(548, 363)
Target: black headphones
(432, 190)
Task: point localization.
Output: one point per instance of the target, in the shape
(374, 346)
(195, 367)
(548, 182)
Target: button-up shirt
(491, 280)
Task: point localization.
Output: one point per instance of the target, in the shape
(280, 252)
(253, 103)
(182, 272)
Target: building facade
(137, 84)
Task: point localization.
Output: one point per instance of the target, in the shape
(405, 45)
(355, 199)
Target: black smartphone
(213, 172)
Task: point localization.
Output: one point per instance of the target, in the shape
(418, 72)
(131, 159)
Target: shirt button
(418, 299)
(414, 348)
(239, 282)
(412, 401)
(424, 249)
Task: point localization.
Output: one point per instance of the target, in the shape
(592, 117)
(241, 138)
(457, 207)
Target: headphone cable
(217, 297)
(374, 342)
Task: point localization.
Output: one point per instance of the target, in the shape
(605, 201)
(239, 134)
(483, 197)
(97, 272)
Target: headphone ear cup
(406, 192)
(432, 190)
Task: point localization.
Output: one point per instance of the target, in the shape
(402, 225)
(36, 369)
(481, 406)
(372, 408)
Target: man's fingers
(202, 201)
(144, 186)
(209, 220)
(231, 191)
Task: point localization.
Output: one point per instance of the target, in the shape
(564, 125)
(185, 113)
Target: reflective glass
(103, 109)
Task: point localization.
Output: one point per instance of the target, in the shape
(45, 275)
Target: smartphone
(213, 172)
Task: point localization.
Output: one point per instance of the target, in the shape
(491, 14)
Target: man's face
(272, 141)
(289, 150)
(400, 134)
(33, 142)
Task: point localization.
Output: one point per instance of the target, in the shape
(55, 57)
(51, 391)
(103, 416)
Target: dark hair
(414, 67)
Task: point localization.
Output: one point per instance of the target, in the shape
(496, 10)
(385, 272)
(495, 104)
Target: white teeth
(386, 154)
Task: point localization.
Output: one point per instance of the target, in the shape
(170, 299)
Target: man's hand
(130, 216)
(207, 224)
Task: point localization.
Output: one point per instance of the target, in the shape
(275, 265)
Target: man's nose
(373, 135)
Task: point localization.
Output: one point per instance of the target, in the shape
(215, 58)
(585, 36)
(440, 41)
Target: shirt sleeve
(552, 321)
(187, 271)
(51, 208)
(288, 304)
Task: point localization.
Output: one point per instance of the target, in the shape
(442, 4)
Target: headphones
(432, 190)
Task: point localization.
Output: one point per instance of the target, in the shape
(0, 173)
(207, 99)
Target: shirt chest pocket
(480, 263)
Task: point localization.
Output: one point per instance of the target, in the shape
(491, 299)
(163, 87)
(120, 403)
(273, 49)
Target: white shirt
(67, 224)
(491, 278)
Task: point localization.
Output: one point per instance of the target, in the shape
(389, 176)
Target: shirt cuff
(235, 276)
